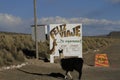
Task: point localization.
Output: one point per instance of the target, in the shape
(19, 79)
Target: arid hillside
(40, 70)
(16, 47)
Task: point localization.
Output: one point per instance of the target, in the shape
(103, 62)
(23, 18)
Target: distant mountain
(13, 33)
(114, 34)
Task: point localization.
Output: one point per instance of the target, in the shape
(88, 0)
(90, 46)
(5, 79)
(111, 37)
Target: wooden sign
(101, 60)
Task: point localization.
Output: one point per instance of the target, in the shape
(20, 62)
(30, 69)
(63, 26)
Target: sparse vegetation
(93, 43)
(12, 46)
(16, 47)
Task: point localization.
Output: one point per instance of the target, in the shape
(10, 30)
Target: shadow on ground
(55, 75)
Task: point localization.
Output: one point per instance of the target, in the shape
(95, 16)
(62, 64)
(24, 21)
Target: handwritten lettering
(63, 32)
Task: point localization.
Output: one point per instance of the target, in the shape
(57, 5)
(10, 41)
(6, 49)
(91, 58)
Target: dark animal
(70, 64)
(29, 53)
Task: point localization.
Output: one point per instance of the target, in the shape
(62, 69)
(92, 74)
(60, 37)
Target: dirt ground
(39, 70)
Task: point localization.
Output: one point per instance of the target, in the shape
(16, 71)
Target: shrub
(7, 57)
(95, 43)
(18, 56)
(1, 61)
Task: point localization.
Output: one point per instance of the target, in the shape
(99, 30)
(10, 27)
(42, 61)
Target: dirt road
(46, 71)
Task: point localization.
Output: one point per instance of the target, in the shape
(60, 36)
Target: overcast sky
(98, 17)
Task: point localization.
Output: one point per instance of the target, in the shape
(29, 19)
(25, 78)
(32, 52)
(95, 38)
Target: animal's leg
(66, 74)
(80, 73)
(69, 75)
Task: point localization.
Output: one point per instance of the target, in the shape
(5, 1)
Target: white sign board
(67, 37)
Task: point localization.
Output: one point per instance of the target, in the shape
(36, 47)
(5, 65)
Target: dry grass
(94, 43)
(12, 46)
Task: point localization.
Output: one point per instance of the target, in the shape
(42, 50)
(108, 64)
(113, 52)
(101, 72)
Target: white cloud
(9, 20)
(16, 24)
(90, 26)
(53, 20)
(12, 23)
(85, 21)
